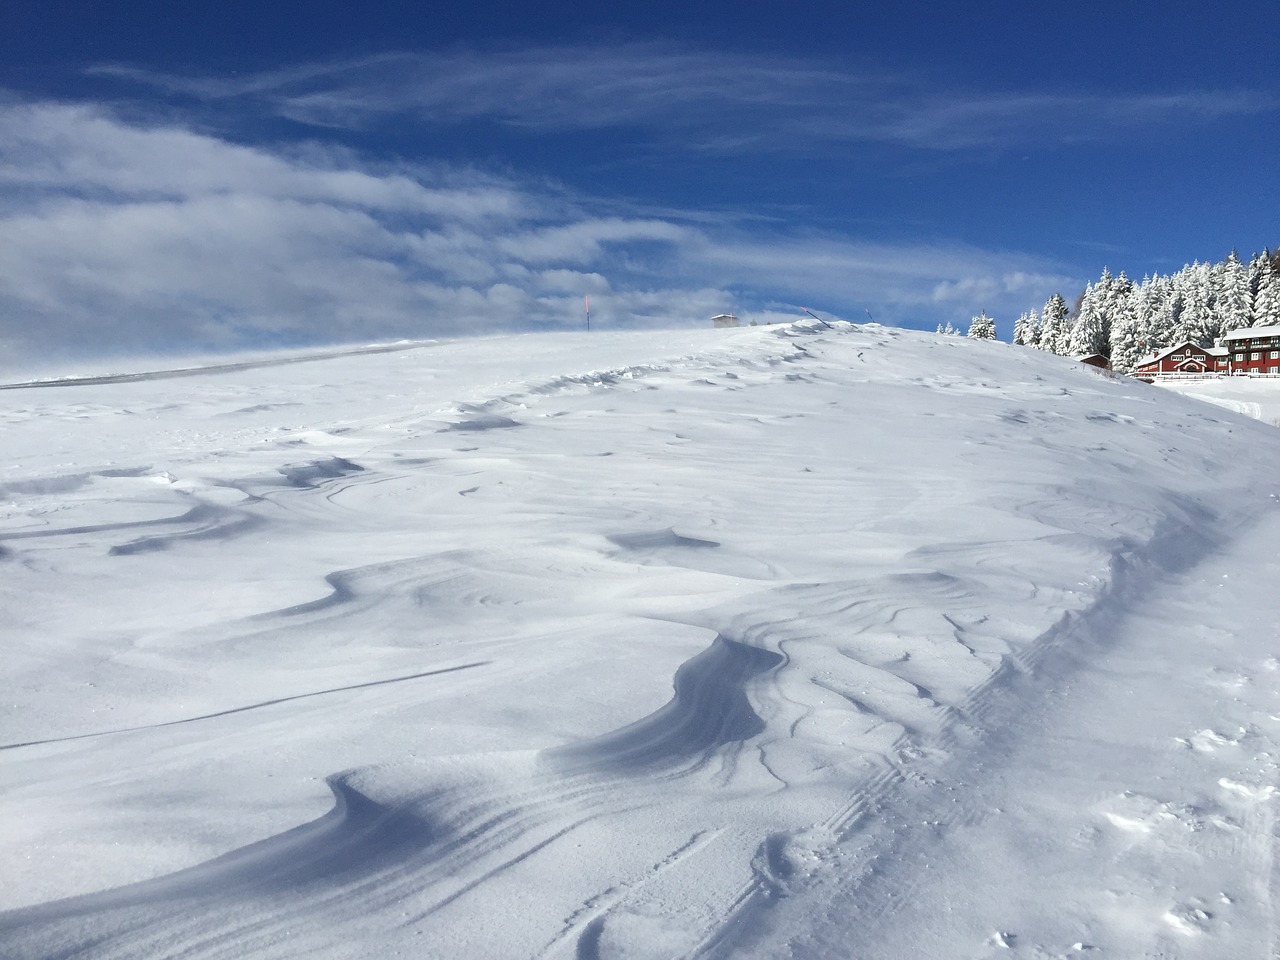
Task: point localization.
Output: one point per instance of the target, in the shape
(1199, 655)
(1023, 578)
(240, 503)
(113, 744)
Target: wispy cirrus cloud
(704, 99)
(119, 236)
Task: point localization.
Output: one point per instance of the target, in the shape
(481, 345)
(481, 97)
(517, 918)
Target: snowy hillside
(1257, 397)
(779, 641)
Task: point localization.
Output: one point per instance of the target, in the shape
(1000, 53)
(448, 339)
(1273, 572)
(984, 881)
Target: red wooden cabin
(1186, 357)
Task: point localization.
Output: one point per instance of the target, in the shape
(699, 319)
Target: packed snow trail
(451, 652)
(1128, 808)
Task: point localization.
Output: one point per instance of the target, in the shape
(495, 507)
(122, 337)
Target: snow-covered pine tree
(1120, 292)
(1259, 264)
(1197, 321)
(1153, 324)
(1090, 332)
(1053, 325)
(1115, 301)
(1082, 324)
(1126, 332)
(1266, 300)
(1169, 307)
(1026, 331)
(982, 327)
(1185, 312)
(1232, 300)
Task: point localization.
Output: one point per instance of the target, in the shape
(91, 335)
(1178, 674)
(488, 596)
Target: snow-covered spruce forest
(1128, 321)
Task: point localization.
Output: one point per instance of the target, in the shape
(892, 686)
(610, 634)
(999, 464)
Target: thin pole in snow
(587, 300)
(816, 317)
(868, 313)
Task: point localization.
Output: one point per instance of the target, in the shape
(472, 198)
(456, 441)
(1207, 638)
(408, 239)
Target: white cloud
(586, 241)
(708, 99)
(122, 237)
(82, 149)
(996, 287)
(572, 282)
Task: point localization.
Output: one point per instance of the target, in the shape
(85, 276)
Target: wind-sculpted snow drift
(721, 631)
(710, 710)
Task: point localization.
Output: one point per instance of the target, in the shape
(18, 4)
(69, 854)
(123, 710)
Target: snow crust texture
(775, 642)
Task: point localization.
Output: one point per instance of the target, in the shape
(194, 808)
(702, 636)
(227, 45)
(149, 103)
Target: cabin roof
(1248, 333)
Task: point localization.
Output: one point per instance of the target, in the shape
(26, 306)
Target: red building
(1096, 360)
(1186, 357)
(1253, 349)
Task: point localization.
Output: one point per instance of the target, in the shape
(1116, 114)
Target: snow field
(1257, 397)
(621, 646)
(1126, 811)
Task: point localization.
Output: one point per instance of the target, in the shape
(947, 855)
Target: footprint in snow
(1207, 741)
(1252, 793)
(1003, 940)
(1188, 919)
(1141, 815)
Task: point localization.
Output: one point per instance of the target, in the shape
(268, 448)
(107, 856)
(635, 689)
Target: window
(1255, 355)
(1239, 358)
(1177, 356)
(1274, 355)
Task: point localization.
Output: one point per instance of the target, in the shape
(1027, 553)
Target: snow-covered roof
(1165, 352)
(1248, 333)
(1156, 357)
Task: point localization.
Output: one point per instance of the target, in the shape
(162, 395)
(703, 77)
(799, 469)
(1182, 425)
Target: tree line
(1129, 321)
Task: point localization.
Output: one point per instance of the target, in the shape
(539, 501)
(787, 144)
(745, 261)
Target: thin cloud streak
(120, 238)
(708, 100)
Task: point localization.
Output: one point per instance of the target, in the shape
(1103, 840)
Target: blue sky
(196, 176)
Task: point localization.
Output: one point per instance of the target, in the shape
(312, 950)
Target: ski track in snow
(697, 654)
